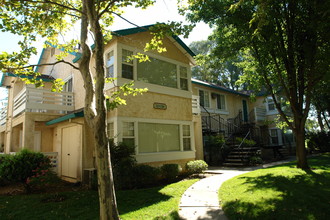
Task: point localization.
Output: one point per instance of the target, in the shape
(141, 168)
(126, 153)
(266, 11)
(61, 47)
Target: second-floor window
(157, 72)
(221, 103)
(270, 104)
(204, 98)
(183, 78)
(127, 64)
(110, 61)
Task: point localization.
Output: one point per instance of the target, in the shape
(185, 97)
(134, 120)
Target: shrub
(145, 175)
(319, 141)
(196, 166)
(170, 171)
(123, 163)
(246, 142)
(26, 167)
(215, 150)
(255, 160)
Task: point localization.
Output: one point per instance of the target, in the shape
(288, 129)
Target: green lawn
(281, 192)
(152, 203)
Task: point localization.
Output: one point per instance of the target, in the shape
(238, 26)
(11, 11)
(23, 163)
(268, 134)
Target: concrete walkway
(200, 201)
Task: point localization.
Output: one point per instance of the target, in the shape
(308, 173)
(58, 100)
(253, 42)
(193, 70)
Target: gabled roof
(217, 87)
(44, 78)
(130, 31)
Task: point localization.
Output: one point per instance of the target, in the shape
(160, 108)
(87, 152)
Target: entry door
(71, 141)
(245, 111)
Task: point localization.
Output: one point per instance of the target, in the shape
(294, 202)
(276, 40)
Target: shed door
(71, 141)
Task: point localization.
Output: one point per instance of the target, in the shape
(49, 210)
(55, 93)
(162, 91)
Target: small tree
(284, 46)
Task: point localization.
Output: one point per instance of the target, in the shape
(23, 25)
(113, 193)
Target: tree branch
(106, 8)
(55, 3)
(45, 64)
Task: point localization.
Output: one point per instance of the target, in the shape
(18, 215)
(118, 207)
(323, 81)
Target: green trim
(40, 58)
(66, 117)
(218, 87)
(129, 31)
(2, 79)
(77, 58)
(29, 77)
(183, 45)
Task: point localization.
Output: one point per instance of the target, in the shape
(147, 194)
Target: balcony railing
(195, 105)
(258, 114)
(42, 100)
(3, 115)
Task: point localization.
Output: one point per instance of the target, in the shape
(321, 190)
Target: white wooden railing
(53, 156)
(42, 100)
(3, 115)
(258, 114)
(195, 105)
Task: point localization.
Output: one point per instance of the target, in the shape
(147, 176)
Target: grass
(152, 203)
(281, 192)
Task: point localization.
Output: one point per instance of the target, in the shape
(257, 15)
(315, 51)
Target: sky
(161, 11)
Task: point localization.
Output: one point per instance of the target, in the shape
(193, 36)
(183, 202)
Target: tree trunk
(107, 197)
(301, 149)
(319, 119)
(95, 111)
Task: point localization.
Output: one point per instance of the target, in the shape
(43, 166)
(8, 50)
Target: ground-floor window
(151, 137)
(273, 136)
(158, 137)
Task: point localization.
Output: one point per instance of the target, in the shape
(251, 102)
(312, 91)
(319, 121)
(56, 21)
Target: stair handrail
(247, 134)
(239, 146)
(210, 116)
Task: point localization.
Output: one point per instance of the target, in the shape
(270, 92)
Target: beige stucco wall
(233, 101)
(198, 137)
(141, 106)
(139, 41)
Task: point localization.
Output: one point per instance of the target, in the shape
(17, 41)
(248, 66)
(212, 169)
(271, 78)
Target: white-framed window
(186, 137)
(204, 98)
(127, 64)
(111, 130)
(154, 137)
(110, 64)
(183, 78)
(150, 137)
(157, 72)
(221, 101)
(68, 87)
(128, 133)
(274, 136)
(270, 104)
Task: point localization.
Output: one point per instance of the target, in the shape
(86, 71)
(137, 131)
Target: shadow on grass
(137, 199)
(303, 195)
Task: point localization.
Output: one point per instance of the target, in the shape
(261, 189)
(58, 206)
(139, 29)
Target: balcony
(258, 114)
(3, 115)
(42, 101)
(195, 105)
